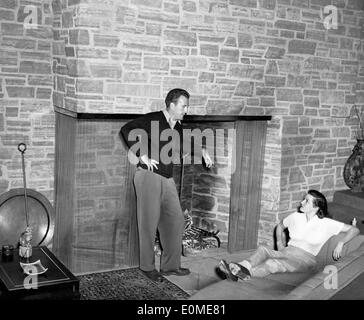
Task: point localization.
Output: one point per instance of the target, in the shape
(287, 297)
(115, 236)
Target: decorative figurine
(25, 246)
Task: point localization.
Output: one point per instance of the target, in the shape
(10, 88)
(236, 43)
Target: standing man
(158, 205)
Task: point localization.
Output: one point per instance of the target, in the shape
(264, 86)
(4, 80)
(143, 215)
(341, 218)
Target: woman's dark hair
(174, 94)
(319, 201)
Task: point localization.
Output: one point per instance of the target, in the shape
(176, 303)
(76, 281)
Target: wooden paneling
(64, 187)
(130, 203)
(186, 119)
(95, 200)
(246, 185)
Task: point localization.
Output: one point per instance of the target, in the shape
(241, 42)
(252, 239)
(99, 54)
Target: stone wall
(65, 62)
(26, 108)
(271, 57)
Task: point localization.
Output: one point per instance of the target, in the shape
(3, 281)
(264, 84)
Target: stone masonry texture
(256, 57)
(26, 108)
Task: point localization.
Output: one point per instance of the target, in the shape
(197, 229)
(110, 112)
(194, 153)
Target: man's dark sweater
(153, 124)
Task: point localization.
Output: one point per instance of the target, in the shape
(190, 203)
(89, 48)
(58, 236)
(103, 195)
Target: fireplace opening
(205, 192)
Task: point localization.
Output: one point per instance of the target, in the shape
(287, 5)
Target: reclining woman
(309, 228)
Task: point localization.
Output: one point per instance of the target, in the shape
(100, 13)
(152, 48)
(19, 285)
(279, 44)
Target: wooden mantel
(187, 118)
(94, 194)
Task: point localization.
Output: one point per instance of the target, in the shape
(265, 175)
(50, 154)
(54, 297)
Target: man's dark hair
(174, 94)
(319, 201)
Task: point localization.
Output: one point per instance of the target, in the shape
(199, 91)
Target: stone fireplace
(95, 201)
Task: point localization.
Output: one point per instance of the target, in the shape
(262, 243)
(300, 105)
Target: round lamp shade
(13, 218)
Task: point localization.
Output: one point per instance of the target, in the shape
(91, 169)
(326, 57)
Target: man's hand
(150, 163)
(207, 158)
(338, 250)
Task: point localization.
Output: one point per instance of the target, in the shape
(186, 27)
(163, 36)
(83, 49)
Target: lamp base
(25, 251)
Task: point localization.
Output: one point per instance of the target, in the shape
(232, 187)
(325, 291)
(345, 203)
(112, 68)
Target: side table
(56, 283)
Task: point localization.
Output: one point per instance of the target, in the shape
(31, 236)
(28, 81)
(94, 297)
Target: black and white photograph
(181, 154)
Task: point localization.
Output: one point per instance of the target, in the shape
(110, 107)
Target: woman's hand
(350, 233)
(338, 250)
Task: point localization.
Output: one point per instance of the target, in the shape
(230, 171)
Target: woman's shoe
(224, 272)
(221, 274)
(243, 273)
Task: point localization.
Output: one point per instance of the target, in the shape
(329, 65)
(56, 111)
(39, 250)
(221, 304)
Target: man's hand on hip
(150, 163)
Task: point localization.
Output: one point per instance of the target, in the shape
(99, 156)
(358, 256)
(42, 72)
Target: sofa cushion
(348, 269)
(290, 278)
(253, 289)
(323, 258)
(295, 285)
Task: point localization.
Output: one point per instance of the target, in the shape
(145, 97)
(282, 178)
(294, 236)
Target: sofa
(318, 284)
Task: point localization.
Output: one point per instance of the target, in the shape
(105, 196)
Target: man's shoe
(177, 272)
(153, 275)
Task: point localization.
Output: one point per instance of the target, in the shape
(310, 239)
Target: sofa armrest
(321, 285)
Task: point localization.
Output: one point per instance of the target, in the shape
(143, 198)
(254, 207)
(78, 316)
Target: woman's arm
(351, 232)
(281, 236)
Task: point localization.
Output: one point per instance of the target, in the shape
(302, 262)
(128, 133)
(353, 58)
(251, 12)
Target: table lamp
(25, 246)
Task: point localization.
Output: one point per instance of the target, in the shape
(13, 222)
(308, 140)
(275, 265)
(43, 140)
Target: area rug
(127, 284)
